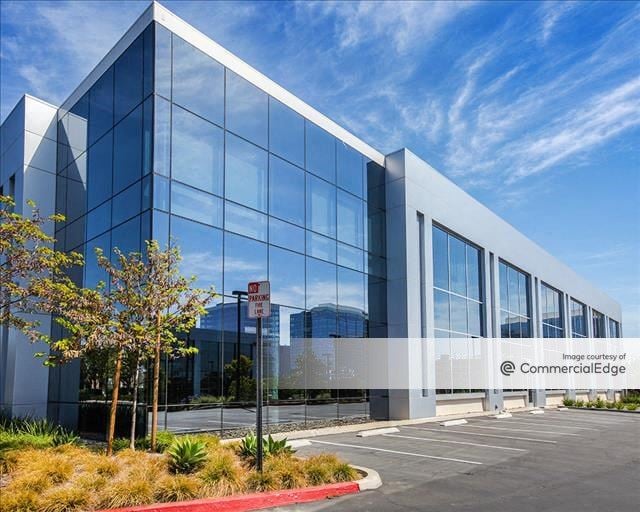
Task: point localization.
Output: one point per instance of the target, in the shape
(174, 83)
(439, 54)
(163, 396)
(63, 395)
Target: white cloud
(551, 13)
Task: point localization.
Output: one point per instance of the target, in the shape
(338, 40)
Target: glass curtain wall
(515, 303)
(578, 319)
(614, 329)
(598, 326)
(249, 189)
(552, 316)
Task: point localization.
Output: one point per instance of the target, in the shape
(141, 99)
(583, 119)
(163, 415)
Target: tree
(156, 305)
(26, 257)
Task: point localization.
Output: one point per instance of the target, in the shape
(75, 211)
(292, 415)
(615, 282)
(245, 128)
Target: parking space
(559, 460)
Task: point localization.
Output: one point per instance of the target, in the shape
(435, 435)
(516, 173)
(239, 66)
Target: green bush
(619, 405)
(186, 454)
(568, 402)
(589, 404)
(249, 447)
(610, 405)
(632, 407)
(631, 398)
(579, 403)
(599, 403)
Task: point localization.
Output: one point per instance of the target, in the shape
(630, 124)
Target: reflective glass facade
(614, 329)
(551, 307)
(578, 319)
(169, 144)
(515, 303)
(597, 325)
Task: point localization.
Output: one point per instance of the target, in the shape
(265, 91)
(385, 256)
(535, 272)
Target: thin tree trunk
(114, 402)
(136, 379)
(156, 386)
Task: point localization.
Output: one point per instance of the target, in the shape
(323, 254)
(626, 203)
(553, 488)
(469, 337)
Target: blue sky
(534, 108)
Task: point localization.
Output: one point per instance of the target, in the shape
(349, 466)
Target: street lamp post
(239, 294)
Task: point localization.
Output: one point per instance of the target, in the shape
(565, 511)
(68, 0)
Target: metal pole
(238, 352)
(259, 392)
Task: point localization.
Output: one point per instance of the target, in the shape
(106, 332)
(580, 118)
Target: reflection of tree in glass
(247, 382)
(309, 368)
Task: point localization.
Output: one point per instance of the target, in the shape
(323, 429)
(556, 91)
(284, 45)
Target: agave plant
(249, 446)
(186, 455)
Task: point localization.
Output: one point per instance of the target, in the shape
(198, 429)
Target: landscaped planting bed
(624, 405)
(37, 475)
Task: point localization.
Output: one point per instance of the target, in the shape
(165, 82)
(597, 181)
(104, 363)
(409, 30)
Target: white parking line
(397, 453)
(447, 431)
(530, 431)
(456, 442)
(517, 421)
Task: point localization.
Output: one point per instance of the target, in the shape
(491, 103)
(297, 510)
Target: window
(161, 193)
(162, 67)
(197, 154)
(286, 274)
(246, 173)
(286, 133)
(458, 303)
(321, 283)
(349, 164)
(321, 247)
(245, 222)
(93, 273)
(321, 152)
(350, 257)
(128, 79)
(126, 237)
(614, 328)
(597, 320)
(247, 110)
(201, 249)
(552, 318)
(286, 191)
(245, 260)
(350, 219)
(515, 308)
(100, 171)
(127, 151)
(126, 204)
(101, 106)
(321, 206)
(162, 136)
(286, 235)
(350, 289)
(196, 205)
(578, 319)
(98, 220)
(198, 82)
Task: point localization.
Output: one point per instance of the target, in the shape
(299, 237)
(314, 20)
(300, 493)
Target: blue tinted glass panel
(286, 132)
(147, 64)
(286, 191)
(245, 221)
(246, 173)
(286, 274)
(350, 257)
(101, 106)
(201, 249)
(321, 283)
(126, 204)
(514, 301)
(351, 289)
(162, 136)
(162, 68)
(349, 163)
(146, 194)
(523, 294)
(93, 273)
(100, 171)
(440, 259)
(197, 154)
(474, 312)
(160, 227)
(321, 152)
(504, 287)
(321, 247)
(457, 266)
(99, 220)
(458, 314)
(196, 205)
(128, 80)
(286, 235)
(441, 309)
(350, 219)
(245, 260)
(247, 110)
(161, 193)
(198, 82)
(473, 272)
(321, 206)
(126, 237)
(147, 136)
(127, 151)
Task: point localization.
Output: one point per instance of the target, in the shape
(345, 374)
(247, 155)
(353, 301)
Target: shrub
(287, 472)
(568, 402)
(176, 488)
(20, 500)
(619, 405)
(128, 492)
(632, 407)
(610, 405)
(589, 404)
(222, 475)
(317, 470)
(579, 403)
(63, 499)
(249, 447)
(599, 403)
(186, 455)
(260, 482)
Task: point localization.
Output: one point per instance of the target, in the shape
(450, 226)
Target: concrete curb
(371, 481)
(377, 432)
(637, 411)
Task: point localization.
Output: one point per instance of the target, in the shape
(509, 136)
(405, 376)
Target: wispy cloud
(551, 13)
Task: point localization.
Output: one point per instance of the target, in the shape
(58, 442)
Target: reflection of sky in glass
(245, 260)
(286, 274)
(321, 283)
(246, 173)
(247, 110)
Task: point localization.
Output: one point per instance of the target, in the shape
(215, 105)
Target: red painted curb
(254, 501)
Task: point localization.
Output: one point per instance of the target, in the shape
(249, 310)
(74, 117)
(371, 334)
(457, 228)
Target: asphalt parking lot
(562, 460)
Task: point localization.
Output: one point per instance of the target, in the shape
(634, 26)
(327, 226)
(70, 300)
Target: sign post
(259, 308)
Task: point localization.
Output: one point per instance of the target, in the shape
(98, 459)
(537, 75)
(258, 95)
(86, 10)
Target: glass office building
(173, 138)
